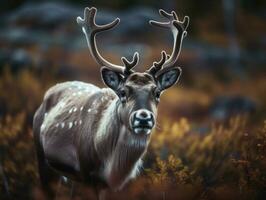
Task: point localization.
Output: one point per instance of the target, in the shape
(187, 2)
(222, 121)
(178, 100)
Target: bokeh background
(210, 142)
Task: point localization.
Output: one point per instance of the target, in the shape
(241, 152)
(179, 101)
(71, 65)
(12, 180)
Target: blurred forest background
(211, 140)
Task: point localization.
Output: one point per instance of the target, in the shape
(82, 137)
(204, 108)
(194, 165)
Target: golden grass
(225, 161)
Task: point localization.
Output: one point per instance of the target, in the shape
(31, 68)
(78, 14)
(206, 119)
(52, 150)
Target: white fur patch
(42, 127)
(57, 115)
(105, 121)
(62, 104)
(136, 169)
(70, 125)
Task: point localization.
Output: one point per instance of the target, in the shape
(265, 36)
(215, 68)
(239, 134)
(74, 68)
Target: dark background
(216, 111)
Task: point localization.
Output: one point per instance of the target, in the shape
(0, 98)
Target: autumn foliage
(188, 157)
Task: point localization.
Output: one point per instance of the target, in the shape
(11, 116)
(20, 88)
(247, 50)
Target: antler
(91, 29)
(157, 66)
(178, 29)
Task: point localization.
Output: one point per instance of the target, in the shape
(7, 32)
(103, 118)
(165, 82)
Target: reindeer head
(139, 93)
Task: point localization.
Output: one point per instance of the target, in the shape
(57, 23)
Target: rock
(18, 36)
(223, 107)
(16, 59)
(5, 55)
(55, 23)
(20, 59)
(45, 15)
(52, 16)
(135, 22)
(67, 71)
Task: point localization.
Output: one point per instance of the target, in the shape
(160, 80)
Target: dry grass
(225, 161)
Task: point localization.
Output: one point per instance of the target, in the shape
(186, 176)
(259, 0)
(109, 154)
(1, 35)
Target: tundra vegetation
(189, 156)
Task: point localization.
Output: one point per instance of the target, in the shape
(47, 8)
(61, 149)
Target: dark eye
(123, 95)
(157, 95)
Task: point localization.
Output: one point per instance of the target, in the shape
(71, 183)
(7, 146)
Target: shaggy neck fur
(119, 149)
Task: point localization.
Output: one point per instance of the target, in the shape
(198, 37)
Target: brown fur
(99, 136)
(96, 146)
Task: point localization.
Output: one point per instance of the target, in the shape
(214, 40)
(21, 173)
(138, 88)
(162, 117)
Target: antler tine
(178, 29)
(174, 15)
(170, 16)
(157, 66)
(159, 24)
(89, 21)
(91, 29)
(129, 65)
(185, 22)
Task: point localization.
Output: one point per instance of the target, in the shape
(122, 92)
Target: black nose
(143, 114)
(142, 121)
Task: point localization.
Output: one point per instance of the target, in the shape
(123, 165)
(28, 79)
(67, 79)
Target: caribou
(99, 136)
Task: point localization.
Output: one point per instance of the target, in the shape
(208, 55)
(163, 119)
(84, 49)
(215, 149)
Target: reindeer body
(80, 135)
(99, 136)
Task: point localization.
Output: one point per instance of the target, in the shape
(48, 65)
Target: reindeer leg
(101, 194)
(58, 187)
(97, 192)
(72, 192)
(46, 174)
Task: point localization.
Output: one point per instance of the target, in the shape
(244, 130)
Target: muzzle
(142, 121)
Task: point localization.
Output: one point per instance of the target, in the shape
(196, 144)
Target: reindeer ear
(111, 78)
(168, 77)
